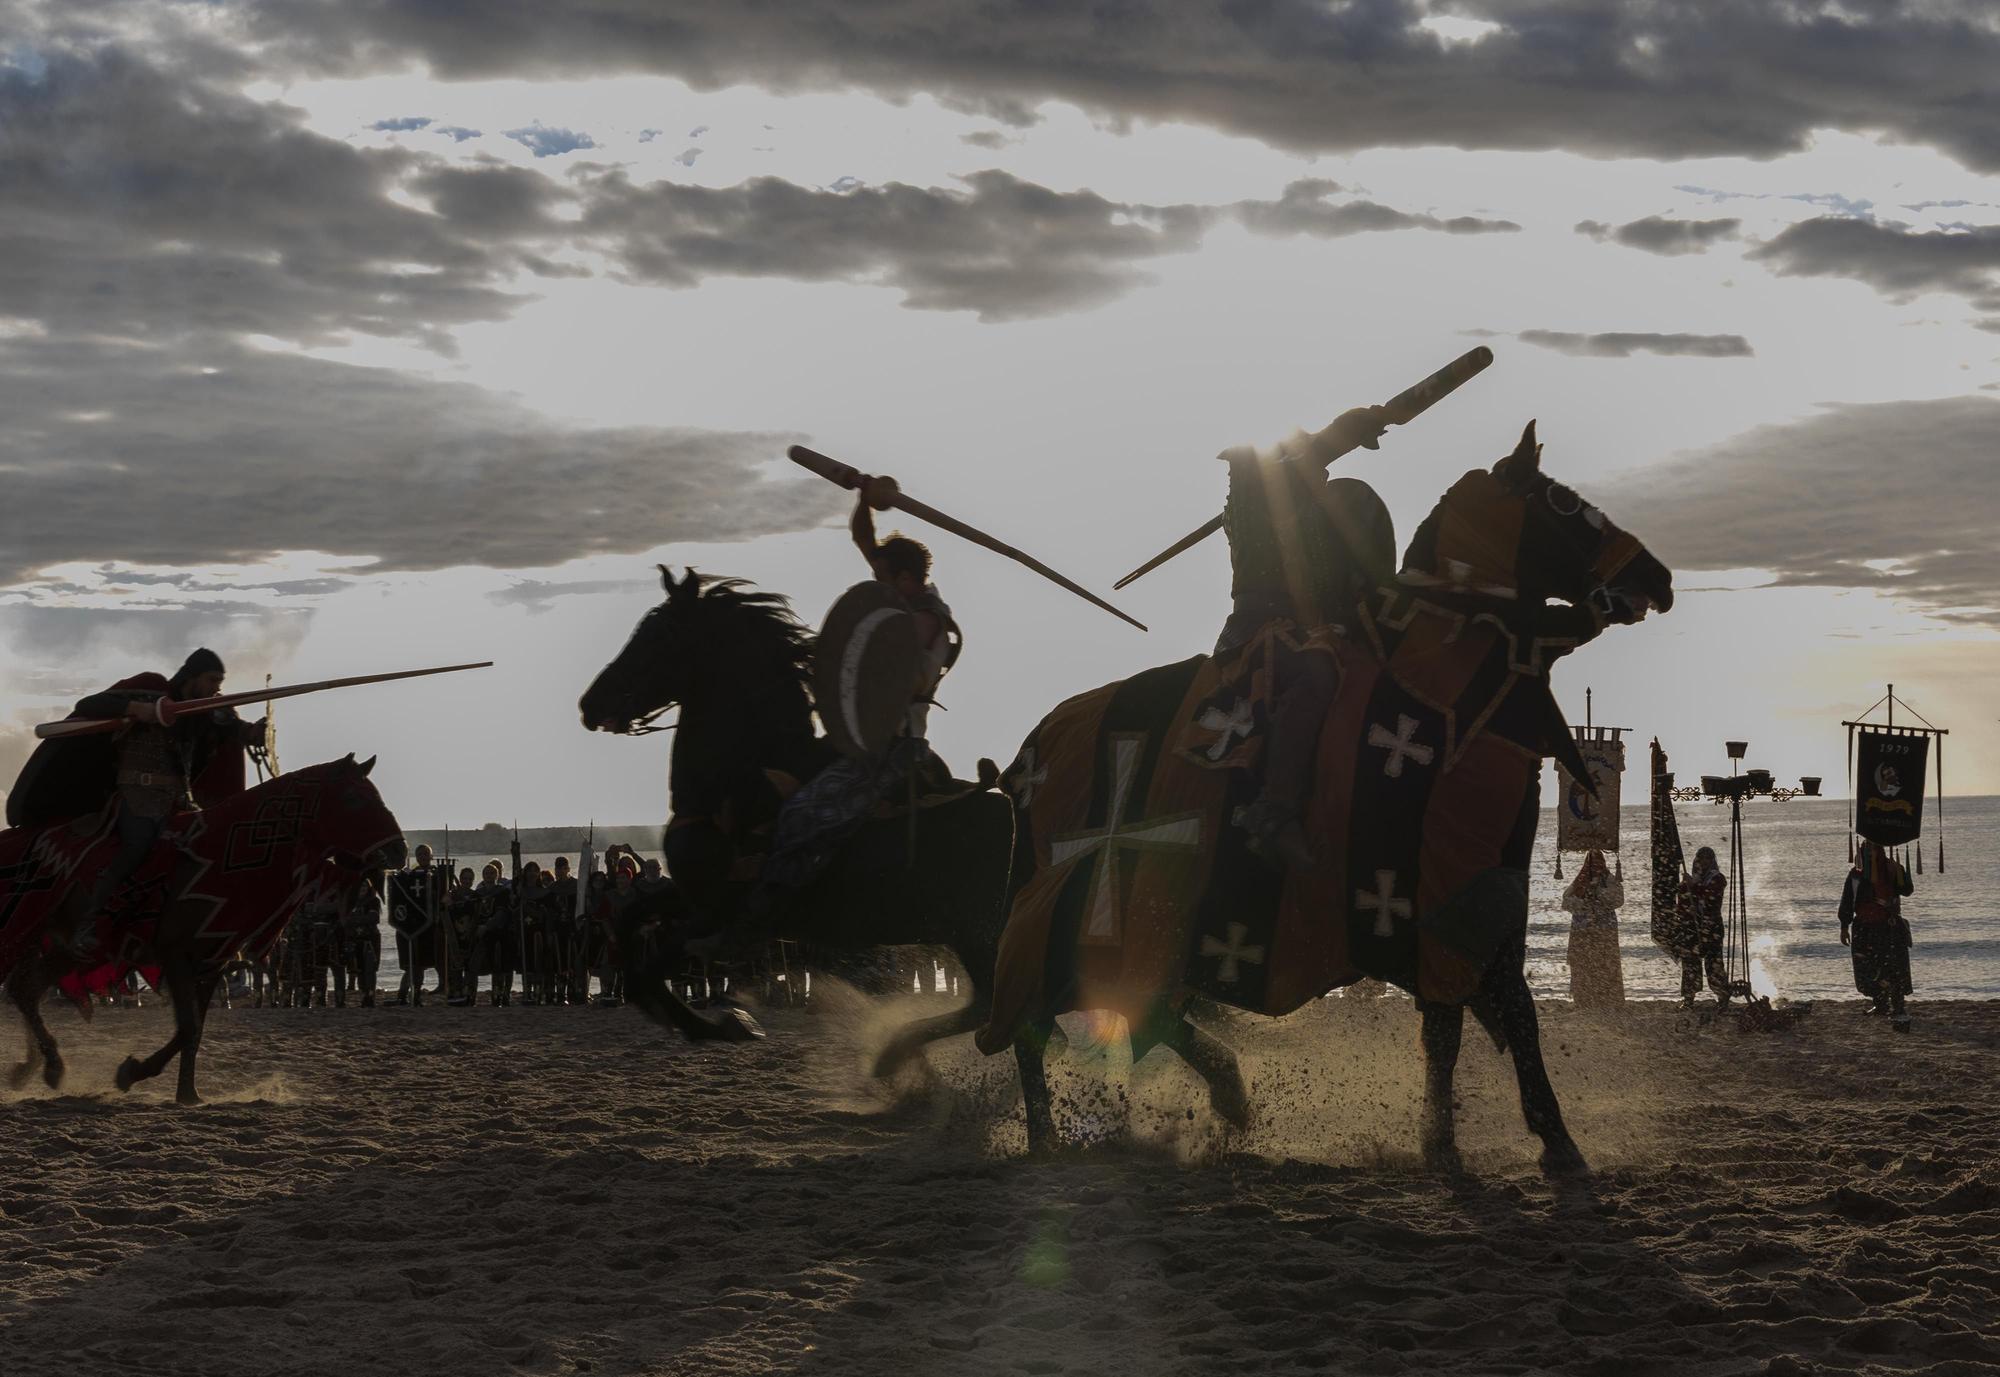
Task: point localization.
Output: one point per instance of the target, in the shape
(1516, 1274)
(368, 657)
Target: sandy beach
(567, 1191)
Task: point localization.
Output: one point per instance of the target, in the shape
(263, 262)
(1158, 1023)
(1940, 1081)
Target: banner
(1889, 786)
(1584, 823)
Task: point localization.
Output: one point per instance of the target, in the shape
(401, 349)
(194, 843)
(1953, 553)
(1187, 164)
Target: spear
(1405, 406)
(847, 476)
(166, 711)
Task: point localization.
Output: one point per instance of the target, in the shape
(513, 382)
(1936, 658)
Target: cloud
(544, 142)
(991, 139)
(648, 135)
(233, 455)
(458, 133)
(140, 205)
(1894, 496)
(539, 595)
(1894, 259)
(687, 156)
(1304, 208)
(403, 125)
(1624, 344)
(1730, 77)
(1661, 235)
(1002, 248)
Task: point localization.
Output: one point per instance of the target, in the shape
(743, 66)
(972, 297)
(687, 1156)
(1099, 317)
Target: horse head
(1514, 532)
(712, 638)
(351, 824)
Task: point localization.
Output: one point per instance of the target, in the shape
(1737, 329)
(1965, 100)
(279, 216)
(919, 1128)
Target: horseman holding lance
(152, 770)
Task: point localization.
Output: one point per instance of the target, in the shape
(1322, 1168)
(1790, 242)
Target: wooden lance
(847, 476)
(167, 712)
(1324, 447)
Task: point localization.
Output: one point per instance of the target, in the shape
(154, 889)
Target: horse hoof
(52, 1074)
(1232, 1103)
(1564, 1160)
(128, 1073)
(187, 1097)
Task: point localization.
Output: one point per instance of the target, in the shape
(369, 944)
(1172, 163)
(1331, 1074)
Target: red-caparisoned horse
(220, 881)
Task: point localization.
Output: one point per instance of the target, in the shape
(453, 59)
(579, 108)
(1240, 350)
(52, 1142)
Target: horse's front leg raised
(910, 1040)
(180, 988)
(1213, 1061)
(1444, 1030)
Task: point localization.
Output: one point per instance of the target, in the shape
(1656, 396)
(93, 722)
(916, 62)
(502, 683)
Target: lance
(847, 476)
(1322, 449)
(167, 711)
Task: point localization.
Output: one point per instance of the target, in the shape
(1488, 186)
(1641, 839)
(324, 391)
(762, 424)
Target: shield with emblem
(865, 668)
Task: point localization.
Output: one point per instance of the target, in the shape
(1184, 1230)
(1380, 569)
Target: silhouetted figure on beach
(1702, 892)
(1596, 974)
(1874, 931)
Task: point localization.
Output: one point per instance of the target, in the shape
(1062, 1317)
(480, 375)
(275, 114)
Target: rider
(1304, 551)
(839, 797)
(153, 771)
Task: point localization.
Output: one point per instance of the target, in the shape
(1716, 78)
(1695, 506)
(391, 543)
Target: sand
(572, 1190)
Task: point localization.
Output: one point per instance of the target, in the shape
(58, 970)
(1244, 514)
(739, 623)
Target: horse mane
(762, 621)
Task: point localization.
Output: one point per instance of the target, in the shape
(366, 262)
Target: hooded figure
(151, 771)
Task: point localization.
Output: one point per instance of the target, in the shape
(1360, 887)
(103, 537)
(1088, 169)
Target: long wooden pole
(847, 476)
(166, 711)
(1405, 406)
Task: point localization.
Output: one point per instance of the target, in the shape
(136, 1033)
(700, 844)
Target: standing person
(1701, 896)
(493, 902)
(559, 946)
(461, 912)
(415, 921)
(1874, 931)
(1596, 973)
(362, 937)
(611, 970)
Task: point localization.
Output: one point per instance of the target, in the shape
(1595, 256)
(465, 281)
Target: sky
(344, 336)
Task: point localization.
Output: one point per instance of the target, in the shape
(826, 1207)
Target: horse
(227, 880)
(1133, 891)
(737, 663)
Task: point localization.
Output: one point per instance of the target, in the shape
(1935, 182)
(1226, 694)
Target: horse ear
(348, 759)
(666, 577)
(1526, 460)
(366, 765)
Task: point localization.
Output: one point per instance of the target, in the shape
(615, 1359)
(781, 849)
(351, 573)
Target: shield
(865, 669)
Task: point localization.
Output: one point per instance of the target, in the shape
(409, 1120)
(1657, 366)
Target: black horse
(736, 662)
(1509, 571)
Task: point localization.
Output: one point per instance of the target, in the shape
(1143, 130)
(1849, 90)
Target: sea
(1794, 862)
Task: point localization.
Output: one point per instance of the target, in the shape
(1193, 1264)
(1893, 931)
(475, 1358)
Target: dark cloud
(1002, 248)
(1895, 260)
(269, 453)
(991, 139)
(1662, 235)
(1305, 207)
(1659, 80)
(1908, 485)
(144, 206)
(1623, 344)
(544, 142)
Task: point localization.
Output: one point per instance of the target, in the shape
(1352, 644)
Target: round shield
(865, 669)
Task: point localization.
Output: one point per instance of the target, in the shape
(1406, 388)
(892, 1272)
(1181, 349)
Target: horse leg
(26, 986)
(1029, 1050)
(911, 1039)
(1444, 1029)
(190, 995)
(1515, 1006)
(1214, 1062)
(132, 1070)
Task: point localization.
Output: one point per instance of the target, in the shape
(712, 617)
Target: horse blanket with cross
(234, 861)
(1132, 885)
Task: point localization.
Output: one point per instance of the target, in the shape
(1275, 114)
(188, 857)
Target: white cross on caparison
(1400, 744)
(1232, 952)
(1383, 903)
(1237, 722)
(1181, 832)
